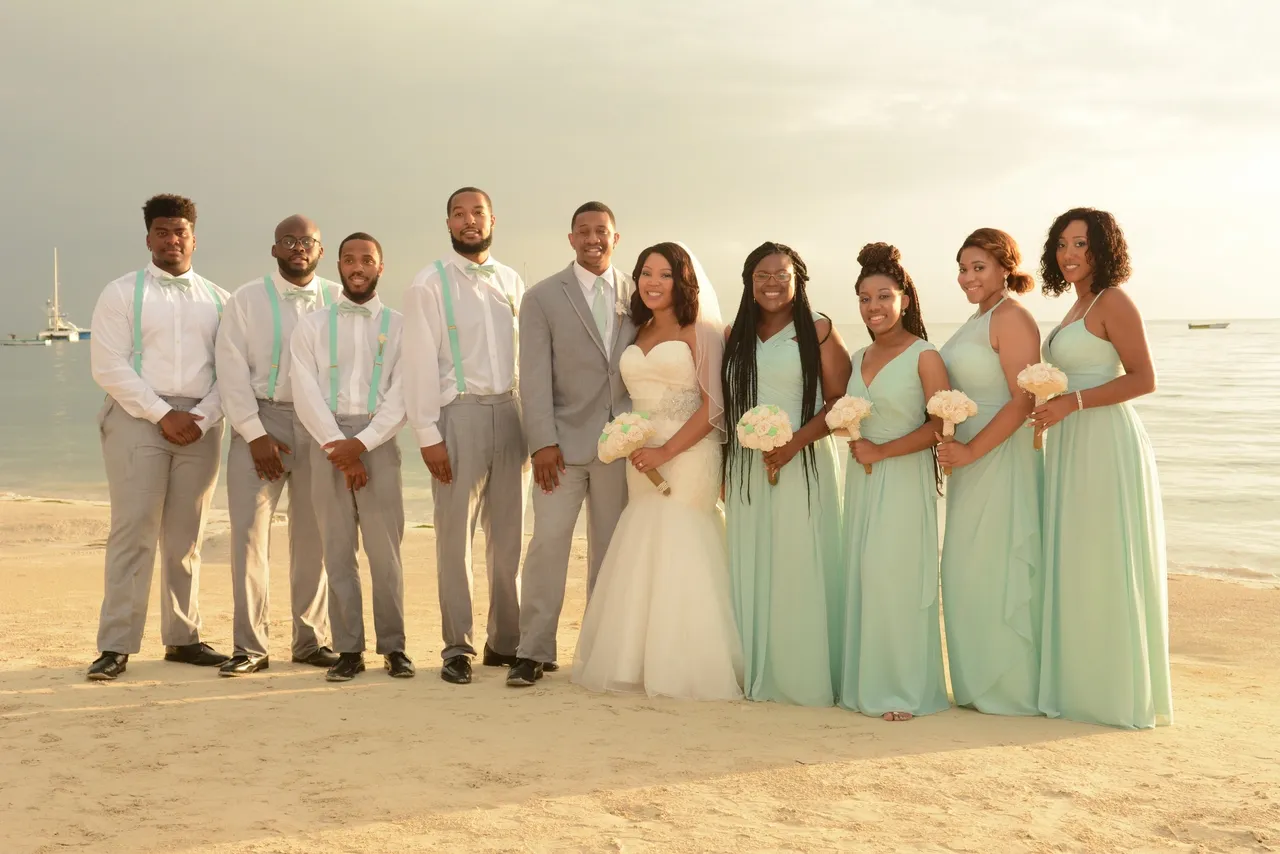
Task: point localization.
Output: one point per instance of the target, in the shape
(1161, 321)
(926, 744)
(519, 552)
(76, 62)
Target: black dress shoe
(322, 657)
(349, 664)
(550, 667)
(398, 665)
(241, 665)
(108, 666)
(457, 669)
(199, 654)
(497, 659)
(524, 672)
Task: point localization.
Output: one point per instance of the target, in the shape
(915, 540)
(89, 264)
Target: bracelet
(1079, 402)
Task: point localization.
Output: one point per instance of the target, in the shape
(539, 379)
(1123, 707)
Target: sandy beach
(175, 759)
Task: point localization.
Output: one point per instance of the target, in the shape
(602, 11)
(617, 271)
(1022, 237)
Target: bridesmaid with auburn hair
(992, 577)
(1105, 656)
(892, 664)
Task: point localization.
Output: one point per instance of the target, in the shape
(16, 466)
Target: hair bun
(874, 254)
(1020, 282)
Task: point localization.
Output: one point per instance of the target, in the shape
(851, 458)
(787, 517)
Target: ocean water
(1214, 422)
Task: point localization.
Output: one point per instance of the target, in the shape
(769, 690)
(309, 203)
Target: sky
(721, 124)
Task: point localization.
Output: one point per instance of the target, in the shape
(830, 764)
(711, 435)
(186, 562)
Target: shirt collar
(587, 279)
(157, 273)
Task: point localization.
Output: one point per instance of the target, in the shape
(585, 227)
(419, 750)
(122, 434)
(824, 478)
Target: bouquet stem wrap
(1042, 380)
(625, 435)
(764, 428)
(845, 419)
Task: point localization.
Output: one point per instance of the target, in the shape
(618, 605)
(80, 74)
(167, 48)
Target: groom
(573, 329)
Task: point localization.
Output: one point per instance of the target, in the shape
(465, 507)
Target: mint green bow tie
(352, 308)
(484, 270)
(301, 294)
(180, 284)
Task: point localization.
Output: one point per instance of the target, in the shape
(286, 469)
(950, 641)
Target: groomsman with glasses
(270, 448)
(460, 397)
(152, 352)
(346, 392)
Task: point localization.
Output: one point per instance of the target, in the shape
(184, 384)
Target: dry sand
(172, 758)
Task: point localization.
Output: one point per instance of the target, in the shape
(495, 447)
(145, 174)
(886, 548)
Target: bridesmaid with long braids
(992, 578)
(893, 645)
(784, 539)
(1105, 656)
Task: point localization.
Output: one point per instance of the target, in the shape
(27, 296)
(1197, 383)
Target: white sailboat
(59, 328)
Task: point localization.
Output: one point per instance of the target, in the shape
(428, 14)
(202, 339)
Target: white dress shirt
(357, 350)
(587, 280)
(178, 332)
(245, 341)
(484, 311)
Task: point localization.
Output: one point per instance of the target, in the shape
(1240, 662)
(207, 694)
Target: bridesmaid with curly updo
(992, 577)
(892, 662)
(1105, 656)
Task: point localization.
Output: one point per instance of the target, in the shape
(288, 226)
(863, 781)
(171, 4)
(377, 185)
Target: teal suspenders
(276, 337)
(376, 379)
(454, 347)
(139, 288)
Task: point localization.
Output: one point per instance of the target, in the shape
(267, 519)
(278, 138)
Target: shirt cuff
(369, 437)
(251, 429)
(157, 410)
(428, 436)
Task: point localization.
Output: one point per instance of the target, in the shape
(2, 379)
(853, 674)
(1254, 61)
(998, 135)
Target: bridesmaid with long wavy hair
(992, 578)
(1105, 656)
(893, 645)
(784, 539)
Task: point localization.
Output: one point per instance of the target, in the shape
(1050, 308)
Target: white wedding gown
(660, 620)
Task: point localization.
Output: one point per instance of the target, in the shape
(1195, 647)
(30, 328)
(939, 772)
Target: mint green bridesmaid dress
(992, 577)
(893, 643)
(784, 552)
(1105, 656)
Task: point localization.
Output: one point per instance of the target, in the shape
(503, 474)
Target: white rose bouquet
(1044, 381)
(764, 428)
(953, 407)
(845, 418)
(625, 435)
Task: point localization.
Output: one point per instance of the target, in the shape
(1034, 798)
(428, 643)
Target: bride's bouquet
(845, 418)
(952, 406)
(1044, 381)
(625, 435)
(764, 428)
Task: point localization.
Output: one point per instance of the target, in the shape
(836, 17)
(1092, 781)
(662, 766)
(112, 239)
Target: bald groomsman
(346, 391)
(459, 389)
(270, 448)
(152, 352)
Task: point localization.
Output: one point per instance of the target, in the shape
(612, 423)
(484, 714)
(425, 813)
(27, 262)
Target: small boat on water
(59, 328)
(15, 341)
(1208, 325)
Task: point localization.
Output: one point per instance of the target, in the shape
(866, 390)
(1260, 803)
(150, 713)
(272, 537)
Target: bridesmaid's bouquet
(625, 435)
(952, 406)
(763, 428)
(845, 418)
(1044, 381)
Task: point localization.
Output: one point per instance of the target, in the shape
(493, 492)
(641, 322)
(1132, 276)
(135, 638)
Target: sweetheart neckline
(645, 355)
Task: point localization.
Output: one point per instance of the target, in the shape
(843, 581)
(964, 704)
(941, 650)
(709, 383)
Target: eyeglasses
(291, 242)
(783, 278)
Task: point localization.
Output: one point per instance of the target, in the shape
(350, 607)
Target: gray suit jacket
(570, 385)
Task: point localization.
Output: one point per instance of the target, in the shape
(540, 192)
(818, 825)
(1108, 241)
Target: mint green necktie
(301, 294)
(600, 306)
(352, 308)
(482, 270)
(180, 284)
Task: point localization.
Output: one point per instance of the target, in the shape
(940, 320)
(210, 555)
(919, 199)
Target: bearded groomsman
(271, 449)
(460, 397)
(152, 352)
(346, 392)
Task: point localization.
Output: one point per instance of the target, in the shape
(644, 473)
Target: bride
(660, 620)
